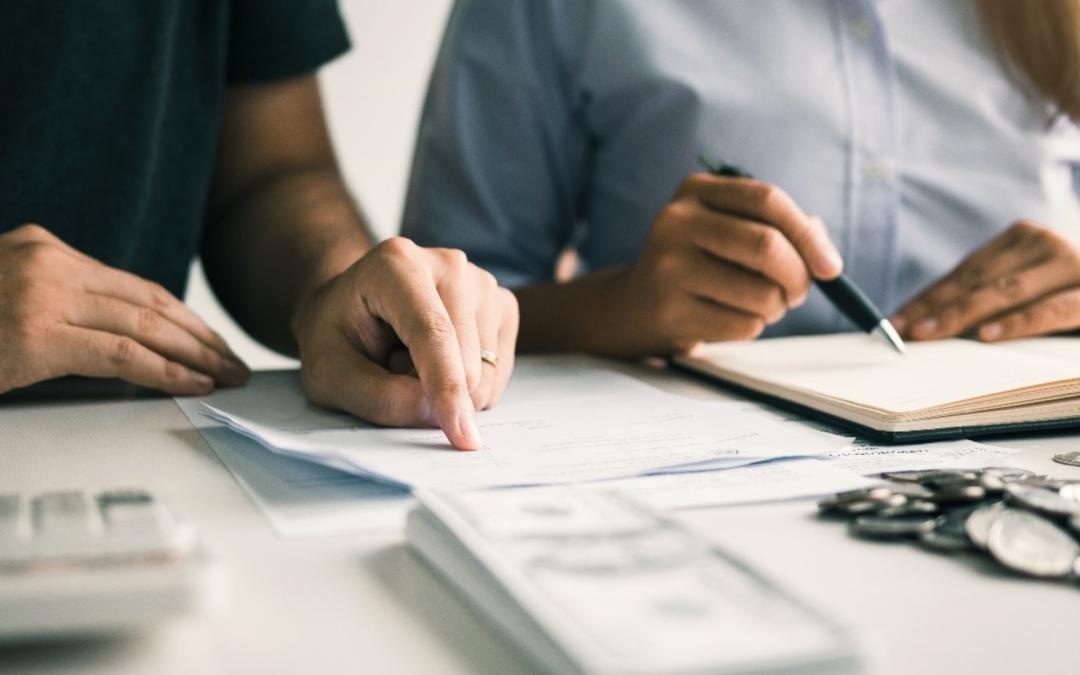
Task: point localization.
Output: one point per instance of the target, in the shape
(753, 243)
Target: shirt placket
(869, 237)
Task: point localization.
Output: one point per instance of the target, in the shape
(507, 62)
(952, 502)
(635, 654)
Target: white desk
(365, 605)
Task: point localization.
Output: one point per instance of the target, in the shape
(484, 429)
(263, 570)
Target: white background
(373, 97)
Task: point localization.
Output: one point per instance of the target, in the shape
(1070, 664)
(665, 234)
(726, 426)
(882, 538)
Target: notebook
(942, 389)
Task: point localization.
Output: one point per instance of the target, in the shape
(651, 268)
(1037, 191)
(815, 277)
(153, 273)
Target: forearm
(580, 315)
(282, 238)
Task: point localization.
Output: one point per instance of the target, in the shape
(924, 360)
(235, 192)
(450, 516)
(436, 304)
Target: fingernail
(926, 327)
(203, 382)
(991, 331)
(829, 263)
(469, 432)
(235, 371)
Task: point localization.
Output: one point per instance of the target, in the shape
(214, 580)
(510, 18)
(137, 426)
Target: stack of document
(562, 420)
(594, 425)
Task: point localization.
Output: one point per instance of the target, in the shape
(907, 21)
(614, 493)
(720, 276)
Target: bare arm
(391, 333)
(280, 221)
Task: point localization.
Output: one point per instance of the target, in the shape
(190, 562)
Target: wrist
(582, 315)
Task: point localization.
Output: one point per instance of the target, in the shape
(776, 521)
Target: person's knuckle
(765, 196)
(148, 323)
(33, 232)
(37, 255)
(694, 183)
(398, 247)
(434, 326)
(682, 213)
(1029, 228)
(487, 280)
(1010, 287)
(766, 242)
(160, 297)
(123, 351)
(454, 258)
(174, 372)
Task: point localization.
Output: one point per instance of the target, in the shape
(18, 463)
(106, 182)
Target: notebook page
(858, 368)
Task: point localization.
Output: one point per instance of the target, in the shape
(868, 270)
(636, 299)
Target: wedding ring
(489, 356)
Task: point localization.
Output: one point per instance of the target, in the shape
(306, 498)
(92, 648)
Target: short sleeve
(501, 154)
(278, 39)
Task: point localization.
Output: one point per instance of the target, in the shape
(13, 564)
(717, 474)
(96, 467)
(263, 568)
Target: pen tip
(886, 331)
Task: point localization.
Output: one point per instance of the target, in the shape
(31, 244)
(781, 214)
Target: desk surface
(365, 604)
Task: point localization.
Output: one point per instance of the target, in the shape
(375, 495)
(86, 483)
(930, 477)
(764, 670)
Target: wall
(373, 97)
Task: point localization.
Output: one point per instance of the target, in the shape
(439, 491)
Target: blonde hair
(1041, 40)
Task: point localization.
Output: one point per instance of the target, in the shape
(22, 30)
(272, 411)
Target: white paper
(763, 482)
(298, 498)
(868, 458)
(560, 421)
(854, 367)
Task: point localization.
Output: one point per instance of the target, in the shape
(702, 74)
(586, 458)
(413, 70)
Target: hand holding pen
(725, 257)
(841, 291)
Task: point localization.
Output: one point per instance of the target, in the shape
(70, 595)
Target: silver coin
(958, 494)
(909, 490)
(890, 528)
(927, 474)
(944, 541)
(992, 483)
(913, 507)
(871, 505)
(1069, 458)
(1008, 473)
(1070, 492)
(953, 522)
(978, 524)
(1027, 543)
(1044, 482)
(1046, 502)
(851, 496)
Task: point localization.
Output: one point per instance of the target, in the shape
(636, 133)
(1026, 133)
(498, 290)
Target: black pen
(843, 293)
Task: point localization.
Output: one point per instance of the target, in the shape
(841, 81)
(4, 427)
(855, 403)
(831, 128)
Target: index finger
(769, 204)
(415, 311)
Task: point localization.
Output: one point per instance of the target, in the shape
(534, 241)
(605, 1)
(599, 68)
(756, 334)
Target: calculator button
(137, 524)
(66, 524)
(14, 529)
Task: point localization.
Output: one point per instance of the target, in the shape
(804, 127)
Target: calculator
(74, 563)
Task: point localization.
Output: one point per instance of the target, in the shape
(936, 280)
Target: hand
(402, 309)
(1025, 282)
(725, 258)
(64, 313)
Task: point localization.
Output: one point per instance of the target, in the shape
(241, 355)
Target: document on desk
(867, 458)
(297, 498)
(559, 422)
(768, 481)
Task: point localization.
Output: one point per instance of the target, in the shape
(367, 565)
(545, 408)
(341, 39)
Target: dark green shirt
(109, 113)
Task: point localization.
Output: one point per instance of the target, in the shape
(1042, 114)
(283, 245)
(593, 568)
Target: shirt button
(875, 171)
(862, 28)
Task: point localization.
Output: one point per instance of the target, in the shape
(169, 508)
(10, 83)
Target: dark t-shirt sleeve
(278, 39)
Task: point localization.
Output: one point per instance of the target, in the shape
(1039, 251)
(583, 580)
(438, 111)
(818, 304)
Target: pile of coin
(1028, 523)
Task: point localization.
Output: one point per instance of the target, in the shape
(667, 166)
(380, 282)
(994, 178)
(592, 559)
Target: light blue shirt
(557, 122)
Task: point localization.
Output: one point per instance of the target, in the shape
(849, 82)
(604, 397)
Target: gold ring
(488, 356)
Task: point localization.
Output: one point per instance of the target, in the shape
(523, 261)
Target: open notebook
(943, 389)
